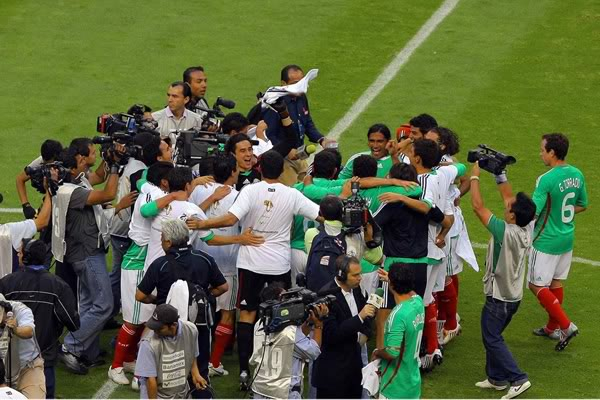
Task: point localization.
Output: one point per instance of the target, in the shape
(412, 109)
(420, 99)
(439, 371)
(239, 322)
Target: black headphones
(27, 243)
(343, 268)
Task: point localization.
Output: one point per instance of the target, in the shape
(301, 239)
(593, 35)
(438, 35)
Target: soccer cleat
(554, 335)
(129, 366)
(244, 381)
(72, 362)
(429, 361)
(135, 383)
(565, 337)
(489, 385)
(117, 375)
(451, 334)
(514, 391)
(440, 331)
(438, 358)
(219, 371)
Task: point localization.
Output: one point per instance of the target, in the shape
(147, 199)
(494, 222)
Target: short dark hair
(187, 74)
(187, 90)
(524, 209)
(224, 164)
(142, 139)
(324, 165)
(2, 373)
(285, 71)
(77, 147)
(448, 138)
(234, 122)
(158, 171)
(138, 108)
(178, 178)
(151, 150)
(557, 142)
(380, 128)
(424, 122)
(37, 252)
(50, 150)
(234, 140)
(331, 208)
(403, 171)
(271, 164)
(429, 151)
(364, 166)
(402, 278)
(338, 157)
(272, 291)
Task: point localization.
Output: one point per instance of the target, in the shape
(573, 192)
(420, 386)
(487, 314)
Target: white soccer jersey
(177, 209)
(225, 256)
(139, 227)
(269, 209)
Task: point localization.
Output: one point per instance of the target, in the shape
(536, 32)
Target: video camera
(292, 308)
(108, 142)
(37, 175)
(490, 160)
(356, 215)
(214, 112)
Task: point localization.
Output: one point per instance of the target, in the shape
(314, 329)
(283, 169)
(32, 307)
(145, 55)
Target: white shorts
(134, 312)
(543, 268)
(298, 264)
(228, 300)
(452, 263)
(435, 275)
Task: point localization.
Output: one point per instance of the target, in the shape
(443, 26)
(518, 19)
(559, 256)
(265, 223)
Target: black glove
(281, 108)
(28, 211)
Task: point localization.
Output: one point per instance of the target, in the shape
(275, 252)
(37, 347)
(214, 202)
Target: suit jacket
(340, 361)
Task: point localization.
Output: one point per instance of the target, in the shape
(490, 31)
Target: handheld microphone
(376, 299)
(9, 314)
(305, 151)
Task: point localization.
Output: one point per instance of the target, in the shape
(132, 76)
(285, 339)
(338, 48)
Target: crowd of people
(197, 259)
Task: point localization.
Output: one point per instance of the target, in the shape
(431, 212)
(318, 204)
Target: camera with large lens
(356, 215)
(108, 147)
(292, 308)
(211, 114)
(490, 160)
(131, 122)
(37, 175)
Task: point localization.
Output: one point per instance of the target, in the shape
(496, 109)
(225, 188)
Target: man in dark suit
(338, 370)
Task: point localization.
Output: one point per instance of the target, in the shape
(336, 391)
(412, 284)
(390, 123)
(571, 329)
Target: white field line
(106, 390)
(392, 69)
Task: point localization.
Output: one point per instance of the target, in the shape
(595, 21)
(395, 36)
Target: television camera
(490, 160)
(356, 215)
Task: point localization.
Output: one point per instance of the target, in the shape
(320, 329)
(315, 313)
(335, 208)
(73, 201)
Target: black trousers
(351, 390)
(202, 360)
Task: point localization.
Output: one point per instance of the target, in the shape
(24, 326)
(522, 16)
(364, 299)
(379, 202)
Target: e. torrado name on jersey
(569, 183)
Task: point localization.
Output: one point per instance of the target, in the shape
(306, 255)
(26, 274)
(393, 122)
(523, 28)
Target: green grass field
(500, 73)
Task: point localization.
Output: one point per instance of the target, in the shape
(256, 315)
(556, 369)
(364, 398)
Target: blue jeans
(50, 381)
(500, 366)
(120, 245)
(95, 306)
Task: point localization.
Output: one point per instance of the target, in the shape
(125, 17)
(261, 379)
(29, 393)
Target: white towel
(178, 297)
(370, 377)
(464, 249)
(298, 88)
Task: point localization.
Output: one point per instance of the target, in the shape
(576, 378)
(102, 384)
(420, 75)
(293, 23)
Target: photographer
(175, 116)
(13, 233)
(290, 348)
(337, 373)
(503, 281)
(50, 299)
(49, 151)
(80, 243)
(19, 349)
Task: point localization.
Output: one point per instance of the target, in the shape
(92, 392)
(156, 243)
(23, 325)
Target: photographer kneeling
(288, 349)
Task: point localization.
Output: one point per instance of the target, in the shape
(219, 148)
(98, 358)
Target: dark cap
(164, 314)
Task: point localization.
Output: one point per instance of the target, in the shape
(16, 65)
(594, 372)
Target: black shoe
(112, 324)
(95, 363)
(73, 363)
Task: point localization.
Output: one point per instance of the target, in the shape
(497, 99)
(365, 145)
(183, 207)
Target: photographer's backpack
(200, 307)
(320, 266)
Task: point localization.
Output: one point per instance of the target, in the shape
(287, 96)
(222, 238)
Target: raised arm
(476, 200)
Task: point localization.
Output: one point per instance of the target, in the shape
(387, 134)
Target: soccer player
(503, 282)
(381, 147)
(399, 368)
(559, 194)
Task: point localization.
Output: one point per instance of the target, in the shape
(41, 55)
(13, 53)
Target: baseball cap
(164, 314)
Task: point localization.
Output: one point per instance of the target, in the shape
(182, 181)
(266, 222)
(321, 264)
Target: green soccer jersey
(383, 166)
(372, 194)
(400, 377)
(556, 194)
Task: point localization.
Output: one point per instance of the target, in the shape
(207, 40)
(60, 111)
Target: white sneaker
(451, 334)
(514, 391)
(489, 385)
(117, 375)
(135, 383)
(129, 366)
(440, 330)
(566, 336)
(219, 371)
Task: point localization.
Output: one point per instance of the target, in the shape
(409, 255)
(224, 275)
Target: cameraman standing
(81, 240)
(287, 349)
(175, 116)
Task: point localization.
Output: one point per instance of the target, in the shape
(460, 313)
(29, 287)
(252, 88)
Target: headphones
(27, 243)
(344, 267)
